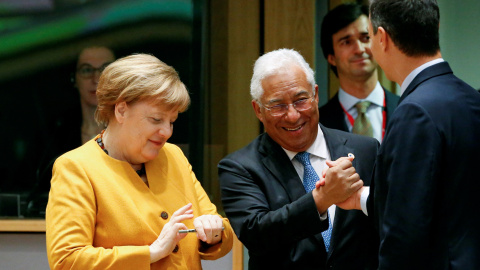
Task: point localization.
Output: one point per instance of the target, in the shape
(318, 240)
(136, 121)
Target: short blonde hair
(137, 77)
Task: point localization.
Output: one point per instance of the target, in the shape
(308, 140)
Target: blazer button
(175, 250)
(164, 215)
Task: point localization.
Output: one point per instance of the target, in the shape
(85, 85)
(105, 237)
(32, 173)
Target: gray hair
(275, 62)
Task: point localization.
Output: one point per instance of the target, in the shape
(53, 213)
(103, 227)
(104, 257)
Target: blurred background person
(362, 105)
(119, 201)
(91, 62)
(77, 125)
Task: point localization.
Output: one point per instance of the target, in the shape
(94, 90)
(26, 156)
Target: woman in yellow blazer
(120, 200)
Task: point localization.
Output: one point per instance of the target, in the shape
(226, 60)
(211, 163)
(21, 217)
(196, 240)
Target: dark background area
(35, 86)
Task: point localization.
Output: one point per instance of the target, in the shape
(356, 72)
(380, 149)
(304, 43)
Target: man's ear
(120, 111)
(331, 60)
(384, 38)
(257, 110)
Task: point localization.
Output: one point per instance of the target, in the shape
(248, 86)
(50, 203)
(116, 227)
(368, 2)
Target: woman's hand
(209, 228)
(169, 236)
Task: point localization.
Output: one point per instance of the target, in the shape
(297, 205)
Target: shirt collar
(416, 71)
(318, 148)
(348, 101)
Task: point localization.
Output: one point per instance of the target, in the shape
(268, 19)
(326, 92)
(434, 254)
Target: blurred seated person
(77, 125)
(119, 200)
(91, 62)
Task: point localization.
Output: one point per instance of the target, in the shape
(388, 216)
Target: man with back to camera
(268, 186)
(346, 46)
(424, 195)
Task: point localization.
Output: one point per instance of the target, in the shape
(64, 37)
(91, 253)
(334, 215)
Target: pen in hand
(192, 230)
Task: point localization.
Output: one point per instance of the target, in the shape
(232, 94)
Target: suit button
(164, 215)
(175, 250)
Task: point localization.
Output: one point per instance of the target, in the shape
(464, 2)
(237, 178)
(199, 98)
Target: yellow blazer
(101, 215)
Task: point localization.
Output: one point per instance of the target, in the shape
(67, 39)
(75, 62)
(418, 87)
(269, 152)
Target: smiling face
(145, 127)
(295, 130)
(352, 55)
(94, 57)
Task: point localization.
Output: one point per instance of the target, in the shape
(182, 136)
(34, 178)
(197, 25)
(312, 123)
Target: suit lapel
(336, 144)
(280, 166)
(277, 162)
(337, 147)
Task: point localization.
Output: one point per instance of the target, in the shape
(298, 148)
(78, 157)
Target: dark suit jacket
(278, 222)
(426, 183)
(69, 125)
(332, 115)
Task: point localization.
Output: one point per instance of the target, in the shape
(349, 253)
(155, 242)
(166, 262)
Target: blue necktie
(309, 179)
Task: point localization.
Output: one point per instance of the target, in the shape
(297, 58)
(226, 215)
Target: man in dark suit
(346, 46)
(424, 197)
(278, 219)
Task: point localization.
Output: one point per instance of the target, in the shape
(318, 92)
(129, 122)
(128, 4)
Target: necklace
(99, 141)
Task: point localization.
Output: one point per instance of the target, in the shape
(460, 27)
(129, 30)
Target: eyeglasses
(87, 71)
(281, 109)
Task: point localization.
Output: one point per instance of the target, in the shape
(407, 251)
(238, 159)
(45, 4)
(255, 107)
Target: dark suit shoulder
(333, 103)
(253, 153)
(247, 150)
(331, 114)
(391, 98)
